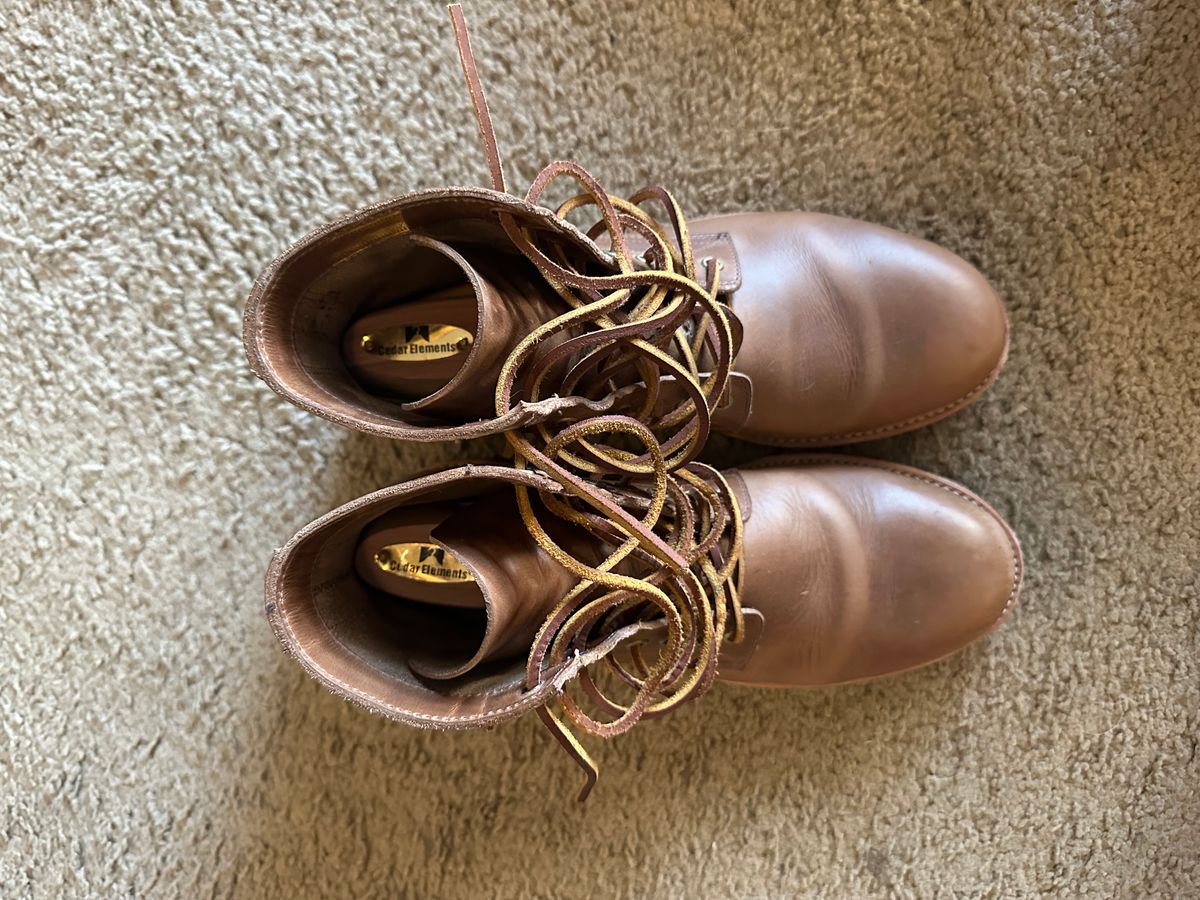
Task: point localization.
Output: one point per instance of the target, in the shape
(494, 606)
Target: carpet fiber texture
(154, 740)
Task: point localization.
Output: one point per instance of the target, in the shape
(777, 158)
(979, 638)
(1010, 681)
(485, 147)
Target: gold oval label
(423, 562)
(406, 343)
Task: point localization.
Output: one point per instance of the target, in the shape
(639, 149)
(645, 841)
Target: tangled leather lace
(635, 339)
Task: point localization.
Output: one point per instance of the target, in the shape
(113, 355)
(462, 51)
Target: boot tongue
(520, 582)
(511, 299)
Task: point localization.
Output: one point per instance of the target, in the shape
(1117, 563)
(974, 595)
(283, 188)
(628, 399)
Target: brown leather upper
(519, 582)
(511, 300)
(862, 568)
(368, 649)
(852, 331)
(854, 569)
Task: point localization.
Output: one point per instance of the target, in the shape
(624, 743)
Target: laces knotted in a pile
(649, 337)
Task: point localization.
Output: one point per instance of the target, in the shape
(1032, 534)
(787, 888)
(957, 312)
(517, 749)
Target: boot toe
(919, 334)
(949, 572)
(853, 331)
(861, 569)
(950, 338)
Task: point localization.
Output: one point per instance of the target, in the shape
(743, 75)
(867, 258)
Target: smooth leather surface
(863, 568)
(853, 331)
(854, 569)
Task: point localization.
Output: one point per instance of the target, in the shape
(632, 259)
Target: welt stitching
(895, 426)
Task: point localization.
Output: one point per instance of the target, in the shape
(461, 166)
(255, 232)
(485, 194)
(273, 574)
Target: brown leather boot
(438, 602)
(398, 319)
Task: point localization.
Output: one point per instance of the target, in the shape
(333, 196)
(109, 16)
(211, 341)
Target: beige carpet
(156, 743)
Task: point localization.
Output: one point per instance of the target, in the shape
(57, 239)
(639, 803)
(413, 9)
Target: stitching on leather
(721, 239)
(528, 699)
(372, 702)
(775, 462)
(895, 427)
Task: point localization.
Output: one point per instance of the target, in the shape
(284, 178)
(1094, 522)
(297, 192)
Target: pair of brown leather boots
(604, 575)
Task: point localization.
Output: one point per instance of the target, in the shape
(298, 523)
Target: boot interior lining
(320, 291)
(362, 636)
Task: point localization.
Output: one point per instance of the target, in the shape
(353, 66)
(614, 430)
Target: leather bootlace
(648, 341)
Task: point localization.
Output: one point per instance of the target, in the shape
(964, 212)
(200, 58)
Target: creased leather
(863, 568)
(853, 331)
(854, 569)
